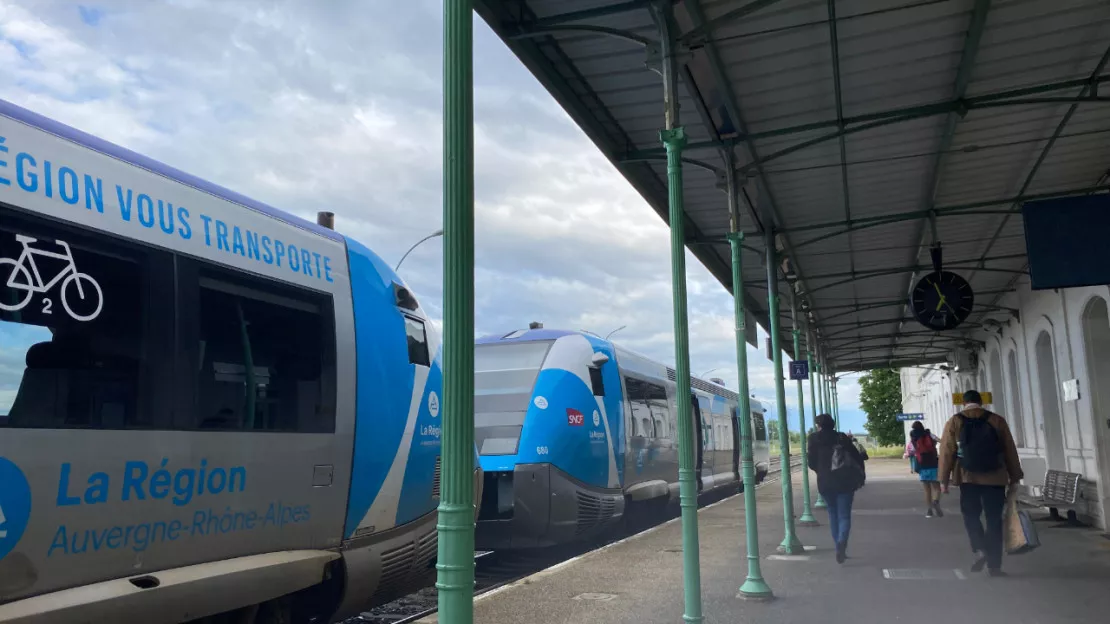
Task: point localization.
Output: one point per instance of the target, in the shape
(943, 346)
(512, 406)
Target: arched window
(1096, 344)
(1000, 404)
(1015, 416)
(1047, 381)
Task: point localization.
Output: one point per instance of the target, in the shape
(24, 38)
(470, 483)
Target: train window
(418, 342)
(510, 356)
(84, 328)
(760, 427)
(650, 400)
(266, 358)
(596, 382)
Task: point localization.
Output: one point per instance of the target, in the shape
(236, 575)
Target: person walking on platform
(910, 455)
(978, 454)
(839, 469)
(923, 447)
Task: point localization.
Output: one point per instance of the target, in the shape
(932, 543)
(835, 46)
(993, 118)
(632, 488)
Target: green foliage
(887, 452)
(880, 396)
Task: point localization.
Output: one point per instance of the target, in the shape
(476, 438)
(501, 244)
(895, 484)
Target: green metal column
(455, 564)
(828, 392)
(835, 403)
(790, 543)
(806, 518)
(674, 139)
(754, 587)
(813, 376)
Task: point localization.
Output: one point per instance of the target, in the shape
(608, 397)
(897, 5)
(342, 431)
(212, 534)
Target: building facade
(1048, 370)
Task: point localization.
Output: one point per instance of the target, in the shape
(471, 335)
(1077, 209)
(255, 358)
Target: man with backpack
(839, 469)
(978, 454)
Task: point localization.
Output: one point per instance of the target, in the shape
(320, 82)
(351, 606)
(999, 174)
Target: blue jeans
(840, 515)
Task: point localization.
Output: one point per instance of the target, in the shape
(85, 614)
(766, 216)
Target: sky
(336, 106)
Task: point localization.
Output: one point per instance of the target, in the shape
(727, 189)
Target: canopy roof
(858, 128)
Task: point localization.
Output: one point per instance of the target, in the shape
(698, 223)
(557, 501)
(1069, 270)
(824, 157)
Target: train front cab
(548, 426)
(391, 543)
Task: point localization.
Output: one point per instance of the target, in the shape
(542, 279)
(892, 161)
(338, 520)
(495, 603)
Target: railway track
(494, 570)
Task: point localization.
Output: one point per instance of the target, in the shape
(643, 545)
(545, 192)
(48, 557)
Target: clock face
(942, 300)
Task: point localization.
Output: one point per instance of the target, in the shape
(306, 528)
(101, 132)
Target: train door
(699, 458)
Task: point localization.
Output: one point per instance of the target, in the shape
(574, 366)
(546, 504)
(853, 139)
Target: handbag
(1021, 533)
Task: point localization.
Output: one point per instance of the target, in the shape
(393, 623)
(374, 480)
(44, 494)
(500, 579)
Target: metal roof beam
(835, 51)
(891, 302)
(585, 14)
(867, 365)
(704, 30)
(861, 354)
(616, 33)
(920, 332)
(860, 326)
(932, 186)
(954, 210)
(920, 267)
(898, 302)
(891, 220)
(911, 113)
(858, 323)
(912, 267)
(716, 67)
(860, 346)
(1051, 142)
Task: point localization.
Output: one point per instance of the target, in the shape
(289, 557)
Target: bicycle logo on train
(81, 295)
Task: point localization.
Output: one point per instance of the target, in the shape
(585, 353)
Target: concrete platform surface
(902, 568)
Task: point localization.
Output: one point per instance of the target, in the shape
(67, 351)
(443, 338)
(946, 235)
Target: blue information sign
(905, 417)
(799, 370)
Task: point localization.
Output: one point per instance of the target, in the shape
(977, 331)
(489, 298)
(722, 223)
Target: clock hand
(939, 294)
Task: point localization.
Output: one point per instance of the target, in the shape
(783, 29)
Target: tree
(880, 396)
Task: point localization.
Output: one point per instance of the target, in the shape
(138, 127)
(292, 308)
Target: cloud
(337, 106)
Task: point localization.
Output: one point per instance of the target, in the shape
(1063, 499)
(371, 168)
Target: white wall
(1060, 314)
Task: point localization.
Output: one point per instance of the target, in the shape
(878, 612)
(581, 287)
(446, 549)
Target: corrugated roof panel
(1029, 43)
(887, 65)
(547, 8)
(779, 64)
(774, 150)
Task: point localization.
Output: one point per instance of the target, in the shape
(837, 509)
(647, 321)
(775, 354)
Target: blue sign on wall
(905, 417)
(799, 370)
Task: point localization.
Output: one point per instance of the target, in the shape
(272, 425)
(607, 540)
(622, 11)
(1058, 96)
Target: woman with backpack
(926, 460)
(839, 469)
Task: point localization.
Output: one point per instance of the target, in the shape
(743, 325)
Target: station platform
(902, 567)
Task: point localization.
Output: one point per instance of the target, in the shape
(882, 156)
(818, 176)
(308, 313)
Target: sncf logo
(575, 417)
(15, 506)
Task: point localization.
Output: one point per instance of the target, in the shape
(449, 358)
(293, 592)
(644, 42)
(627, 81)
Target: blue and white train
(206, 405)
(574, 432)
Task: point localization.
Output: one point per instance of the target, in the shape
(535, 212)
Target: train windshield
(503, 378)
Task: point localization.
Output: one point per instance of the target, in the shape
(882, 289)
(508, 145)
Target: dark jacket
(950, 470)
(820, 449)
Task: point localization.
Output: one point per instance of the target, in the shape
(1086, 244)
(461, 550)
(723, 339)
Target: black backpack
(846, 474)
(980, 447)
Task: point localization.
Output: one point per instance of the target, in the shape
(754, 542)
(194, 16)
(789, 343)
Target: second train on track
(575, 432)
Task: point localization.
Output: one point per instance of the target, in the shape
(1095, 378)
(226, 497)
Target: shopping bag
(1021, 534)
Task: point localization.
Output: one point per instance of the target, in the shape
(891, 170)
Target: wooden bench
(1061, 490)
